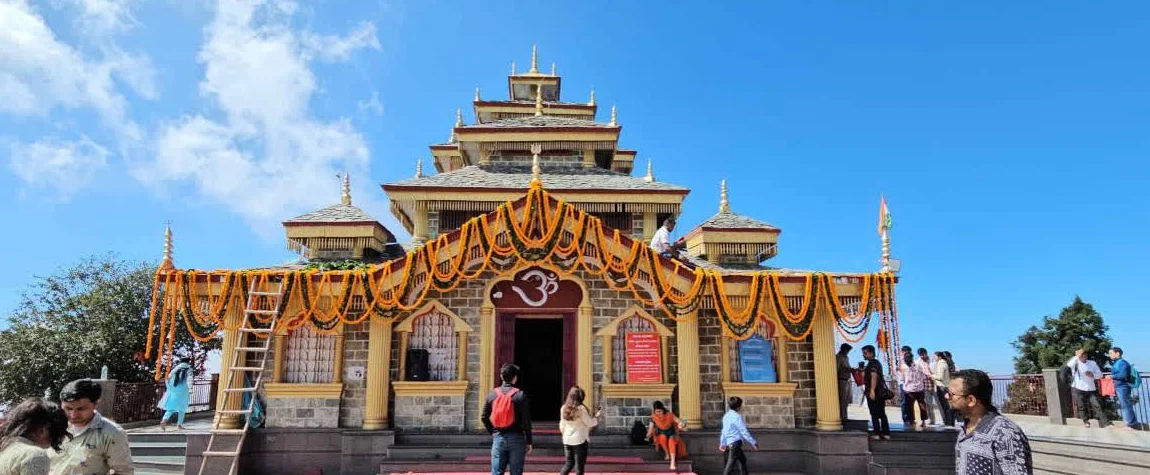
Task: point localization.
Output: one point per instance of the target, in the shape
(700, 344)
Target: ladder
(227, 443)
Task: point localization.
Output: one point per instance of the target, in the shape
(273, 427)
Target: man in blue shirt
(1120, 373)
(732, 437)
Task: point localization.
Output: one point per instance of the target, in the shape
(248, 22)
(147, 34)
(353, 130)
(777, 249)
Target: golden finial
(539, 100)
(419, 168)
(513, 68)
(534, 61)
(592, 101)
(552, 68)
(167, 262)
(476, 93)
(458, 117)
(650, 172)
(614, 117)
(724, 205)
(345, 196)
(536, 170)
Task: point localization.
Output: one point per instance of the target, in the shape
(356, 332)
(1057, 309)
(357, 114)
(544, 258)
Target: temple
(529, 244)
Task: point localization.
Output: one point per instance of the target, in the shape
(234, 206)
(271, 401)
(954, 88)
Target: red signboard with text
(643, 362)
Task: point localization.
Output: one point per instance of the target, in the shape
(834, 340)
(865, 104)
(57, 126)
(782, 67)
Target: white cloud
(104, 17)
(65, 167)
(371, 105)
(265, 156)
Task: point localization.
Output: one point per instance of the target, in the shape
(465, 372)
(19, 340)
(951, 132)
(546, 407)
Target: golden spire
(345, 196)
(458, 117)
(724, 205)
(476, 93)
(539, 100)
(513, 68)
(650, 172)
(534, 60)
(592, 101)
(167, 264)
(552, 68)
(536, 170)
(419, 168)
(614, 117)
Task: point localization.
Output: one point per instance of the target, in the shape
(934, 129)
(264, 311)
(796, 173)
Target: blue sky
(1010, 140)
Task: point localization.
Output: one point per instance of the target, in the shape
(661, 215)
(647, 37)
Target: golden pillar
(337, 368)
(278, 357)
(419, 234)
(687, 338)
(378, 369)
(588, 157)
(650, 225)
(826, 373)
(461, 363)
(228, 350)
(725, 358)
(486, 354)
(584, 374)
(608, 364)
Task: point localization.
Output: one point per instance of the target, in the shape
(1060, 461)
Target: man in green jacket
(98, 446)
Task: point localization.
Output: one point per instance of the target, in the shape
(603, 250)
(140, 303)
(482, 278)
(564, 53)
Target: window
(766, 330)
(309, 356)
(434, 332)
(635, 324)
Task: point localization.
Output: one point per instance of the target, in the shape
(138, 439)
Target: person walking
(98, 446)
(507, 418)
(845, 371)
(177, 394)
(922, 364)
(1085, 386)
(941, 379)
(1123, 376)
(28, 430)
(732, 437)
(575, 424)
(913, 385)
(905, 402)
(876, 393)
(989, 443)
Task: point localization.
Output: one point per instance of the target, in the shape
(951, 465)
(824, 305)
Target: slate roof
(487, 176)
(539, 121)
(340, 213)
(736, 221)
(735, 269)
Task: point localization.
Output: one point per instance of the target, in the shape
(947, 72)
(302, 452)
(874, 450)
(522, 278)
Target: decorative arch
(583, 333)
(610, 334)
(408, 326)
(612, 329)
(405, 325)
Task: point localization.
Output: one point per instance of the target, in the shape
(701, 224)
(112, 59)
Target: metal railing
(1019, 394)
(135, 402)
(1141, 407)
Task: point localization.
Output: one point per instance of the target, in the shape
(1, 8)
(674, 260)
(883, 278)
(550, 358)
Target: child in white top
(575, 423)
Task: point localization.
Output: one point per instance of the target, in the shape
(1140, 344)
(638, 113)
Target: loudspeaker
(417, 368)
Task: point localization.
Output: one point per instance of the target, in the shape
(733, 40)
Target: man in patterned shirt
(989, 444)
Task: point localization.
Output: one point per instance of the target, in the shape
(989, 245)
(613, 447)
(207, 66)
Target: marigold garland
(541, 231)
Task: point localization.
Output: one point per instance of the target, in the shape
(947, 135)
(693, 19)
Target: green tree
(1077, 326)
(68, 325)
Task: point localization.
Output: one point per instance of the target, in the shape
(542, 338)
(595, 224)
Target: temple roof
(340, 213)
(488, 176)
(539, 121)
(729, 220)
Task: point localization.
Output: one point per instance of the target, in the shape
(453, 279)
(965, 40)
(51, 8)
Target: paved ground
(194, 426)
(1037, 426)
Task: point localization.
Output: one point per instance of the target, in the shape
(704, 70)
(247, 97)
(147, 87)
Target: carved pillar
(337, 365)
(378, 368)
(608, 356)
(486, 354)
(783, 359)
(584, 374)
(419, 233)
(280, 343)
(461, 363)
(725, 358)
(826, 373)
(687, 338)
(650, 225)
(228, 350)
(404, 338)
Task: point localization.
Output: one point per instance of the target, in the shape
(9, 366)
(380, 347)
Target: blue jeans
(1125, 405)
(907, 406)
(507, 450)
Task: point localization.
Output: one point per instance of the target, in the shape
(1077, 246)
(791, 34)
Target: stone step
(149, 436)
(158, 448)
(1078, 458)
(913, 459)
(158, 463)
(402, 467)
(881, 469)
(483, 438)
(451, 452)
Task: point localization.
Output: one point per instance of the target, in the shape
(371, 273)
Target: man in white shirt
(661, 242)
(1086, 373)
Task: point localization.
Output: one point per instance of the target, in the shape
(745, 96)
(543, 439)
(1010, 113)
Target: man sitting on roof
(661, 242)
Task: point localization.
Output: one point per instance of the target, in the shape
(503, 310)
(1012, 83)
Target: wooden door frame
(569, 325)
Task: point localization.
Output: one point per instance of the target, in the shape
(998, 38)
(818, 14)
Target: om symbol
(548, 285)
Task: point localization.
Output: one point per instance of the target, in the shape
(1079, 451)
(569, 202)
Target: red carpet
(561, 459)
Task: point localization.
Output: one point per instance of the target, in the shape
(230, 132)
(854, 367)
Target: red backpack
(503, 409)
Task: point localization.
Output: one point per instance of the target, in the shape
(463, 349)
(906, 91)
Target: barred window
(435, 332)
(309, 356)
(635, 324)
(766, 330)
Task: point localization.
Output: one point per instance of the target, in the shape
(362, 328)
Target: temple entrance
(539, 349)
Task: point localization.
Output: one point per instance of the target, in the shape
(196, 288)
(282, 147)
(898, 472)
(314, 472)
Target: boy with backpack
(1126, 379)
(508, 420)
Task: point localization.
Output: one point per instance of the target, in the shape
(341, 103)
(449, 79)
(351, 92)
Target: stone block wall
(354, 392)
(303, 412)
(619, 414)
(801, 370)
(769, 412)
(429, 413)
(710, 369)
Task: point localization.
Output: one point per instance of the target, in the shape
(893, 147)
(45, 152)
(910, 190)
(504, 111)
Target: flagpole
(886, 250)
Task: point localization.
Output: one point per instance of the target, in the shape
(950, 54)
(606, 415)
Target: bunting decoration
(538, 230)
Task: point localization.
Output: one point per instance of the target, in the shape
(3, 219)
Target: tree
(68, 325)
(1077, 326)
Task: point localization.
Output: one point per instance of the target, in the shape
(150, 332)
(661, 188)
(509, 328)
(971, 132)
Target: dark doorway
(539, 354)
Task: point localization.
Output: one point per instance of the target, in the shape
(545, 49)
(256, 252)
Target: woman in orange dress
(664, 429)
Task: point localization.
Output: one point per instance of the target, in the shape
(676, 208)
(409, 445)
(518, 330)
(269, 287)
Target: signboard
(643, 362)
(757, 360)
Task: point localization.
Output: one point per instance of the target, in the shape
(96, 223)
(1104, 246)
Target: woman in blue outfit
(175, 400)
